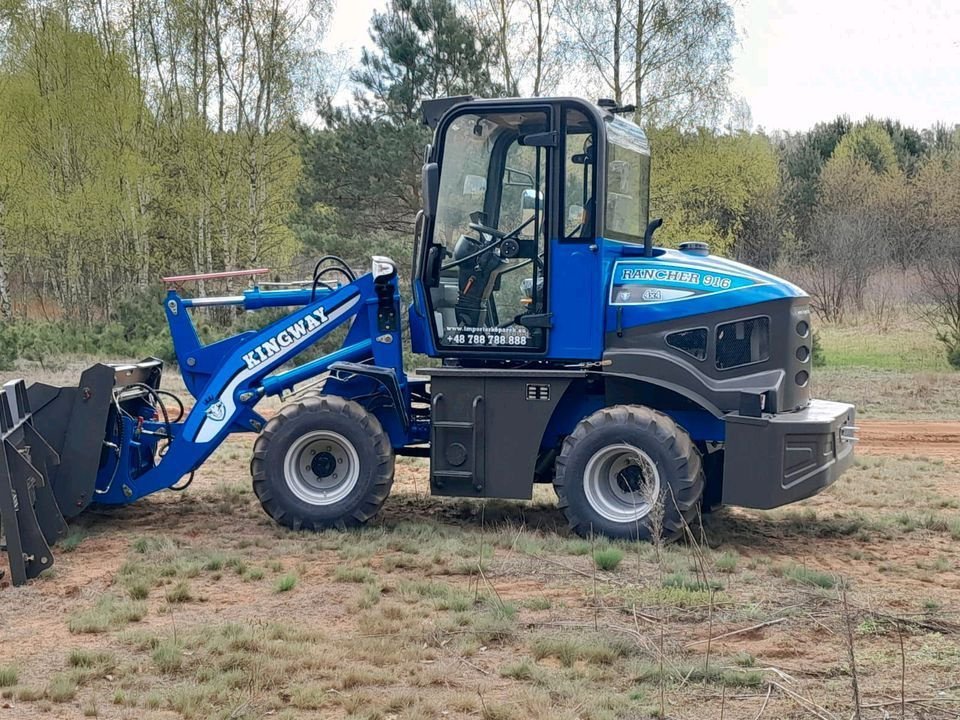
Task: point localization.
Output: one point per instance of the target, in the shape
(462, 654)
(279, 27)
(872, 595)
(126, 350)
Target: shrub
(819, 356)
(286, 583)
(608, 558)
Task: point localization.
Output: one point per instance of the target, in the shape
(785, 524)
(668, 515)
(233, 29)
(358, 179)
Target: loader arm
(228, 378)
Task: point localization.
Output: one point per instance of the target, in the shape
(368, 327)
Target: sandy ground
(886, 529)
(899, 437)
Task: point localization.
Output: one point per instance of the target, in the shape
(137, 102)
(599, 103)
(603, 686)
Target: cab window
(491, 232)
(628, 181)
(579, 207)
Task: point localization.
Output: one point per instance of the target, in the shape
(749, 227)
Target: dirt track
(919, 438)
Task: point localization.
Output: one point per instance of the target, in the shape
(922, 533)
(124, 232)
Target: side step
(30, 519)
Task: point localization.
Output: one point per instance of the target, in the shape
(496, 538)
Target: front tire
(621, 461)
(322, 462)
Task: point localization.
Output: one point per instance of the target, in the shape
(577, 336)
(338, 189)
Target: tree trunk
(6, 306)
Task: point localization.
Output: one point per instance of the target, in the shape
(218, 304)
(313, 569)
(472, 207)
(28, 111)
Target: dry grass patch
(109, 613)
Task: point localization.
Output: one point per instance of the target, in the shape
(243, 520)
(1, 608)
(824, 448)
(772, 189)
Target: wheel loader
(571, 350)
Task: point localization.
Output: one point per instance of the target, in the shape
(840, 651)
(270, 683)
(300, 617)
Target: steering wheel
(493, 232)
(498, 237)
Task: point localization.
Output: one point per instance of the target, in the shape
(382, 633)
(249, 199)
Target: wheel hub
(321, 467)
(323, 464)
(622, 483)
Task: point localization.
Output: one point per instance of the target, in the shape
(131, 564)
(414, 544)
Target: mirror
(474, 185)
(430, 179)
(518, 178)
(530, 202)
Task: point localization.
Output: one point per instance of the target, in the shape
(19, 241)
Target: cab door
(576, 296)
(483, 273)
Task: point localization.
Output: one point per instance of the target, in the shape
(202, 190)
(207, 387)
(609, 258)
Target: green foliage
(608, 558)
(807, 576)
(704, 184)
(871, 144)
(108, 179)
(819, 354)
(424, 49)
(953, 355)
(286, 583)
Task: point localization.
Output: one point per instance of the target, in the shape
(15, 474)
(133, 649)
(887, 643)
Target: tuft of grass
(285, 583)
(953, 526)
(253, 574)
(62, 688)
(168, 657)
(353, 574)
(538, 603)
(522, 670)
(683, 581)
(71, 542)
(8, 676)
(608, 558)
(726, 562)
(138, 590)
(109, 613)
(310, 697)
(89, 659)
(28, 694)
(594, 649)
(179, 593)
(806, 576)
(744, 659)
(649, 672)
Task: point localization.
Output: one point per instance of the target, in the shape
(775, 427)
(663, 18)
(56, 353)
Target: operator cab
(516, 194)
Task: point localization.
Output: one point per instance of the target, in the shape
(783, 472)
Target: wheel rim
(621, 483)
(322, 467)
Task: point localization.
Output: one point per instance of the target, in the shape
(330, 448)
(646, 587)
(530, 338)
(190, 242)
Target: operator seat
(477, 278)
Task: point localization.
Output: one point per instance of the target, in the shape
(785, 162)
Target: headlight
(383, 266)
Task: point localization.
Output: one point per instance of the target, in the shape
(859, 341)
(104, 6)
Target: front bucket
(30, 519)
(74, 421)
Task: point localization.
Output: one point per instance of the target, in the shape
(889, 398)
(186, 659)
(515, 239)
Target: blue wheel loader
(571, 351)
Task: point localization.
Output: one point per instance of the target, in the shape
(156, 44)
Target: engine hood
(675, 284)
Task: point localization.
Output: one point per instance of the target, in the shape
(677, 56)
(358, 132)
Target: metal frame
(29, 513)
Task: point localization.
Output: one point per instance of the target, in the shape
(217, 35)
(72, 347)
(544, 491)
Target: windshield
(628, 181)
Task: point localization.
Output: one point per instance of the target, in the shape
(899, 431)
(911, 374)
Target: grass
(90, 659)
(109, 613)
(807, 576)
(75, 536)
(61, 688)
(8, 676)
(168, 657)
(353, 574)
(650, 672)
(726, 562)
(524, 669)
(568, 649)
(286, 583)
(854, 346)
(179, 593)
(608, 558)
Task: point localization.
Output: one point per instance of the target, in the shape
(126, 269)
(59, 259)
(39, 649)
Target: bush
(608, 558)
(953, 356)
(819, 356)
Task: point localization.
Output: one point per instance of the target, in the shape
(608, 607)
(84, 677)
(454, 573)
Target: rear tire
(617, 463)
(322, 462)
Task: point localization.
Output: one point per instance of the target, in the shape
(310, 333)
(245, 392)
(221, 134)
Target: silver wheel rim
(322, 467)
(621, 483)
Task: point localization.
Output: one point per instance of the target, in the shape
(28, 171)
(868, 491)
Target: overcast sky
(804, 61)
